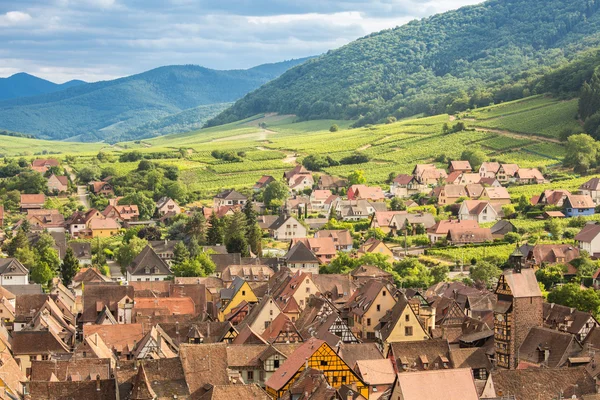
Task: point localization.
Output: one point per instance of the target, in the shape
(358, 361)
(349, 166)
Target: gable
(503, 287)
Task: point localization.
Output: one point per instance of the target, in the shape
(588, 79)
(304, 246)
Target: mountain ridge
(23, 84)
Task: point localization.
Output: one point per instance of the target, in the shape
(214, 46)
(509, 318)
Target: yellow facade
(336, 371)
(407, 329)
(104, 233)
(244, 293)
(377, 310)
(381, 248)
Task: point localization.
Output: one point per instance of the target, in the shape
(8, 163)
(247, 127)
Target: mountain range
(163, 100)
(474, 56)
(24, 85)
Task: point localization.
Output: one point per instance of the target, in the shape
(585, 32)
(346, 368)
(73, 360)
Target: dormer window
(146, 270)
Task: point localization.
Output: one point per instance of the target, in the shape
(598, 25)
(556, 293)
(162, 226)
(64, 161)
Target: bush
(334, 128)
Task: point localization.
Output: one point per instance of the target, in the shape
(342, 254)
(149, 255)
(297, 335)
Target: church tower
(519, 308)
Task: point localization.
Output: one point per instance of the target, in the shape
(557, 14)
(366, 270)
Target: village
(305, 286)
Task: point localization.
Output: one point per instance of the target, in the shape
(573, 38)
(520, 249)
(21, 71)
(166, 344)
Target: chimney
(177, 327)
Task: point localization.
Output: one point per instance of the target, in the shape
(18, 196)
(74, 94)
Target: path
(290, 159)
(516, 135)
(82, 194)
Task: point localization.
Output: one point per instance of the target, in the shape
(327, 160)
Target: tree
(150, 233)
(554, 228)
(485, 273)
(69, 267)
(376, 233)
(475, 157)
(88, 174)
(413, 274)
(31, 182)
(357, 177)
(571, 295)
(128, 251)
(334, 128)
(254, 238)
(342, 264)
(581, 152)
(41, 273)
(196, 228)
(214, 235)
(550, 275)
(180, 253)
(440, 273)
(145, 204)
(508, 209)
(397, 204)
(274, 191)
(18, 242)
(202, 265)
(512, 237)
(523, 203)
(175, 190)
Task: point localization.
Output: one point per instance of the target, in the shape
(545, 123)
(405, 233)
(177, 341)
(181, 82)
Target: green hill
(446, 63)
(23, 85)
(132, 107)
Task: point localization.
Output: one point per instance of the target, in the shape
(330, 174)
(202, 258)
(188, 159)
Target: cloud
(100, 39)
(12, 18)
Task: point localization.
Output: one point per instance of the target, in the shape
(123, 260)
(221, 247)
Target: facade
(477, 210)
(148, 266)
(591, 188)
(12, 272)
(287, 228)
(366, 307)
(589, 239)
(229, 198)
(58, 184)
(239, 291)
(167, 206)
(300, 259)
(578, 205)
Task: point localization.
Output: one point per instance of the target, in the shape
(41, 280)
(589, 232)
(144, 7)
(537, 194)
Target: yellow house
(318, 355)
(237, 292)
(103, 228)
(400, 324)
(376, 246)
(262, 315)
(300, 287)
(367, 306)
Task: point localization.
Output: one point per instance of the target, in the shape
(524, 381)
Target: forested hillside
(474, 56)
(23, 85)
(135, 106)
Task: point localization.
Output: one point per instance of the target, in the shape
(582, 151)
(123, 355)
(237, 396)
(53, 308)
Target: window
(368, 321)
(243, 292)
(307, 290)
(271, 312)
(408, 331)
(344, 379)
(334, 379)
(250, 375)
(276, 363)
(32, 358)
(84, 354)
(407, 318)
(46, 357)
(384, 293)
(267, 323)
(323, 363)
(378, 307)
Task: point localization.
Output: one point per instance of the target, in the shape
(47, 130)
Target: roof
(413, 353)
(497, 193)
(449, 384)
(460, 165)
(560, 346)
(89, 275)
(580, 201)
(163, 202)
(442, 227)
(588, 233)
(281, 325)
(247, 272)
(367, 192)
(46, 217)
(90, 389)
(38, 342)
(364, 297)
(474, 358)
(148, 259)
(502, 227)
(384, 218)
(230, 194)
(376, 372)
(475, 207)
(291, 366)
(403, 179)
(64, 369)
(553, 253)
(351, 353)
(340, 237)
(470, 235)
(542, 383)
(300, 253)
(565, 318)
(95, 297)
(591, 185)
(204, 364)
(175, 305)
(522, 284)
(388, 322)
(490, 166)
(117, 337)
(33, 198)
(530, 173)
(12, 266)
(106, 223)
(64, 180)
(164, 377)
(455, 191)
(229, 392)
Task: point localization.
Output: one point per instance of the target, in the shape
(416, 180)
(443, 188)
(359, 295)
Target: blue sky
(94, 40)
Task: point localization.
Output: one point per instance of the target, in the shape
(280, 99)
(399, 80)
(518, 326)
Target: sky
(93, 40)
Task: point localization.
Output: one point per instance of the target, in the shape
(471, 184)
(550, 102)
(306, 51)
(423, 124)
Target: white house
(12, 272)
(477, 210)
(589, 239)
(148, 266)
(287, 228)
(592, 189)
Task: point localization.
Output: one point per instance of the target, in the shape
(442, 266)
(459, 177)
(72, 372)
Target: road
(82, 194)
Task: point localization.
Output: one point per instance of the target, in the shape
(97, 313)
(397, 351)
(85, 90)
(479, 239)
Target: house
(286, 228)
(364, 192)
(300, 258)
(420, 355)
(376, 246)
(101, 228)
(98, 299)
(342, 239)
(85, 276)
(367, 306)
(529, 176)
(460, 235)
(282, 330)
(551, 254)
(263, 182)
(412, 221)
(166, 206)
(231, 297)
(502, 227)
(42, 165)
(489, 169)
(379, 375)
(449, 384)
(548, 348)
(365, 273)
(400, 324)
(148, 266)
(589, 239)
(297, 290)
(120, 338)
(249, 273)
(569, 320)
(122, 213)
(553, 197)
(290, 176)
(50, 220)
(323, 248)
(316, 354)
(405, 186)
(229, 198)
(356, 210)
(318, 199)
(496, 195)
(578, 205)
(29, 346)
(481, 211)
(450, 194)
(101, 188)
(469, 178)
(261, 315)
(459, 166)
(58, 184)
(327, 182)
(591, 188)
(301, 182)
(428, 174)
(32, 201)
(383, 220)
(440, 229)
(79, 221)
(12, 272)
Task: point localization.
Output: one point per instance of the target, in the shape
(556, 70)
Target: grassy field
(271, 144)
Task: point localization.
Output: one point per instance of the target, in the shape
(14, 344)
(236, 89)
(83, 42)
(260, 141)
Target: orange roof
(367, 192)
(442, 227)
(119, 337)
(175, 305)
(383, 218)
(33, 198)
(294, 362)
(107, 223)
